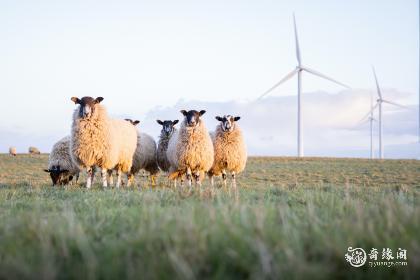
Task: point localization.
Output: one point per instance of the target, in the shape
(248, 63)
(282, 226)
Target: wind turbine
(298, 70)
(371, 121)
(378, 105)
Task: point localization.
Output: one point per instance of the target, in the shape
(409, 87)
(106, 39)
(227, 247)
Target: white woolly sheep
(190, 149)
(61, 167)
(97, 139)
(12, 151)
(145, 155)
(34, 151)
(230, 154)
(168, 128)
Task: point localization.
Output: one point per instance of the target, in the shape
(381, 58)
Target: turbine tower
(371, 121)
(298, 70)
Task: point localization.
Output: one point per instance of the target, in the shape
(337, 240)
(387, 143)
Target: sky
(152, 57)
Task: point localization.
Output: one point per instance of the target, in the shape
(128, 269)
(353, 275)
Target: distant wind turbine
(371, 121)
(378, 105)
(298, 70)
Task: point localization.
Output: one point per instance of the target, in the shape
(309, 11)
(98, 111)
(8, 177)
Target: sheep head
(228, 122)
(192, 117)
(167, 126)
(87, 105)
(59, 176)
(136, 122)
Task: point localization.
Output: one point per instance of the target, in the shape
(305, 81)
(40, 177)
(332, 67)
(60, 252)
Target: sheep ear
(184, 112)
(136, 122)
(75, 100)
(236, 119)
(202, 112)
(159, 122)
(219, 119)
(99, 99)
(47, 170)
(129, 120)
(175, 122)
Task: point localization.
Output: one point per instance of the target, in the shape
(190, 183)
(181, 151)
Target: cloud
(331, 124)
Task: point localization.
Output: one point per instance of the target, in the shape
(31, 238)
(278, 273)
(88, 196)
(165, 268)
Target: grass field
(289, 218)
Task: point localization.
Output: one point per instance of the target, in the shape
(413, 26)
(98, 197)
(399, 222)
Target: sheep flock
(190, 153)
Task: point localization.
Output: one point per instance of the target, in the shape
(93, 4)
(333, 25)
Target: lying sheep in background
(12, 151)
(61, 167)
(34, 151)
(144, 156)
(230, 153)
(190, 149)
(168, 129)
(97, 139)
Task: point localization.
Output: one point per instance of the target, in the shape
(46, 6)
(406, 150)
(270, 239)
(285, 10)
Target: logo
(356, 257)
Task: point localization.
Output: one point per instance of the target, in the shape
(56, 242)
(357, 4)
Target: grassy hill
(290, 218)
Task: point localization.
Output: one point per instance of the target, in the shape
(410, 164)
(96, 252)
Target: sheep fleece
(102, 141)
(229, 151)
(60, 156)
(193, 149)
(162, 158)
(145, 155)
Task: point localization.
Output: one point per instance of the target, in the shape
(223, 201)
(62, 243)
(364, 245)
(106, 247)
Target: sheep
(61, 167)
(34, 151)
(190, 150)
(144, 156)
(230, 154)
(97, 139)
(168, 128)
(12, 151)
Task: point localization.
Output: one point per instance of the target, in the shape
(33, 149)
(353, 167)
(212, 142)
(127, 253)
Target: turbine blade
(297, 41)
(395, 104)
(378, 89)
(287, 77)
(316, 73)
(368, 114)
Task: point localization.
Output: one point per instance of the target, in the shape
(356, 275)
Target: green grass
(290, 218)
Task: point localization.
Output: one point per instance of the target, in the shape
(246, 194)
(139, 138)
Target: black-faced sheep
(97, 139)
(61, 167)
(230, 154)
(168, 129)
(190, 149)
(144, 157)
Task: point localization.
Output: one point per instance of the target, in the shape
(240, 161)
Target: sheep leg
(117, 184)
(130, 179)
(110, 178)
(234, 179)
(89, 179)
(189, 179)
(153, 179)
(211, 177)
(224, 177)
(77, 178)
(104, 173)
(197, 178)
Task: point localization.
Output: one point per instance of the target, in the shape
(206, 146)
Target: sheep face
(167, 126)
(87, 105)
(59, 176)
(228, 122)
(192, 117)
